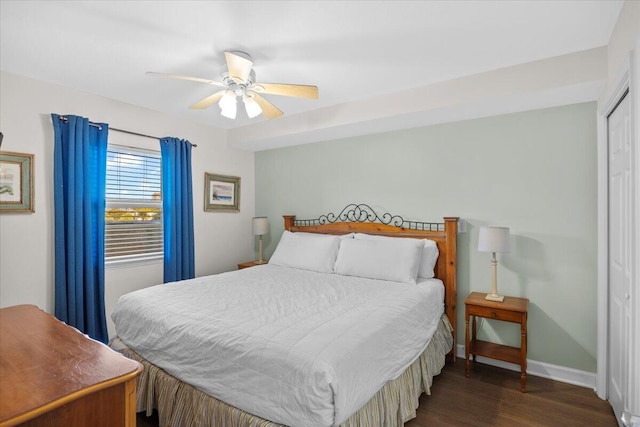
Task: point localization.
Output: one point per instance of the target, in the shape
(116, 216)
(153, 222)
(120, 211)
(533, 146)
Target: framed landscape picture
(16, 182)
(221, 193)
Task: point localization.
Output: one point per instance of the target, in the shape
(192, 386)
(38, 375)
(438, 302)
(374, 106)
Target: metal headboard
(364, 213)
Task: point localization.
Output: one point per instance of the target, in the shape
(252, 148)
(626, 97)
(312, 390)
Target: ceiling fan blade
(301, 91)
(239, 67)
(269, 110)
(193, 79)
(211, 99)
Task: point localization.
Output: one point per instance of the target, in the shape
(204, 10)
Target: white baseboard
(629, 420)
(541, 369)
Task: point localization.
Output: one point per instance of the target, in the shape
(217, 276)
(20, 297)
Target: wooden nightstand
(510, 310)
(249, 264)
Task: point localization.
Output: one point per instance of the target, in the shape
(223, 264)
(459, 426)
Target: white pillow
(307, 251)
(430, 253)
(397, 260)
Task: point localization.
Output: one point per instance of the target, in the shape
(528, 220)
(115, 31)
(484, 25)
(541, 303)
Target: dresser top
(45, 363)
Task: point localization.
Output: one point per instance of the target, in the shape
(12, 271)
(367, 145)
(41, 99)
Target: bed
(306, 340)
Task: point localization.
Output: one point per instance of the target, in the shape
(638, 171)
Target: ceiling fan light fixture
(228, 105)
(240, 81)
(252, 107)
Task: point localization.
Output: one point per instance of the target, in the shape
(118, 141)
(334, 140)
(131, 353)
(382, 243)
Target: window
(134, 205)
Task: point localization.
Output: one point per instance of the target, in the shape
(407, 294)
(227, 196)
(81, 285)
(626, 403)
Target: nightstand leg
(523, 353)
(466, 344)
(474, 330)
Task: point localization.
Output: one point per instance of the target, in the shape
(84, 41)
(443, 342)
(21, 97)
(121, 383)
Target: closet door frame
(627, 80)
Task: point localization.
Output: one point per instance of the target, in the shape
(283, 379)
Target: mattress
(292, 346)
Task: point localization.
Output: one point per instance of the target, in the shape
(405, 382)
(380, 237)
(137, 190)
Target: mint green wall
(534, 172)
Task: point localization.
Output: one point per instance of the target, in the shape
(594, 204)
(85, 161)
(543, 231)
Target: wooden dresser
(53, 375)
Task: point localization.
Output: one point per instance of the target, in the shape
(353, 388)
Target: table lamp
(494, 239)
(260, 227)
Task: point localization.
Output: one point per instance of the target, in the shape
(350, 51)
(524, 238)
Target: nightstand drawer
(495, 313)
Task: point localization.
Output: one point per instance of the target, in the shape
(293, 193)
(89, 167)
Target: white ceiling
(352, 50)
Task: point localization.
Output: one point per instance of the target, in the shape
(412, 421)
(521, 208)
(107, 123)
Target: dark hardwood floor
(491, 397)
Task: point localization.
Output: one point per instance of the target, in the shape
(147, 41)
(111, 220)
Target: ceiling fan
(240, 82)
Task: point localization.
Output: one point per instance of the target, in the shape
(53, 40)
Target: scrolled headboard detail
(364, 213)
(361, 218)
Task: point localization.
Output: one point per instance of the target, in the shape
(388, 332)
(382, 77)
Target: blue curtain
(177, 209)
(79, 174)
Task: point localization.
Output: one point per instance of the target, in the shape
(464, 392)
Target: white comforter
(291, 346)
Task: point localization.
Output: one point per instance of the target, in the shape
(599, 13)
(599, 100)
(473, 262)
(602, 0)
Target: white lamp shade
(228, 105)
(260, 225)
(252, 107)
(493, 239)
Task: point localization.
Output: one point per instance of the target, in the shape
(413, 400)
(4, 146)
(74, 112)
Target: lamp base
(260, 261)
(494, 297)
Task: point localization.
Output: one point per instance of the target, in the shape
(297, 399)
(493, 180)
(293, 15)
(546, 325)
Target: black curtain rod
(64, 119)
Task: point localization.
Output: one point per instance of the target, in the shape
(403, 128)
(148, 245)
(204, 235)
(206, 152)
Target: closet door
(621, 199)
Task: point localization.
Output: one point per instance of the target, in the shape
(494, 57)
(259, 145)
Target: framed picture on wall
(16, 182)
(221, 193)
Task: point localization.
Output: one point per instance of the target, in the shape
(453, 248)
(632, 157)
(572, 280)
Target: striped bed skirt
(181, 405)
